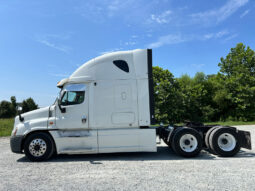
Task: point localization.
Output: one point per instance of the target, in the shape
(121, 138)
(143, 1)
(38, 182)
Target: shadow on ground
(163, 153)
(244, 154)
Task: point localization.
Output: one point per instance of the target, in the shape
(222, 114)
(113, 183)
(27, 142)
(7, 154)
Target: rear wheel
(224, 141)
(207, 136)
(187, 142)
(38, 146)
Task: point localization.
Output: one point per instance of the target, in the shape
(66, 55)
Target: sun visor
(74, 87)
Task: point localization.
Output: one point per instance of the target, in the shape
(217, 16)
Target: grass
(6, 126)
(231, 123)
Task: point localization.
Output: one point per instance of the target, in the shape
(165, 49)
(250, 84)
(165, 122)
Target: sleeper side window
(121, 64)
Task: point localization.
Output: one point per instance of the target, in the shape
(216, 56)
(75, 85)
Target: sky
(42, 42)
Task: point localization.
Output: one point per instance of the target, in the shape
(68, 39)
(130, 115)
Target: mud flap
(244, 139)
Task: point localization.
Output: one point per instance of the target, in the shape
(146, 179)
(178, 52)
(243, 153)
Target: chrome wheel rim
(227, 142)
(188, 143)
(37, 147)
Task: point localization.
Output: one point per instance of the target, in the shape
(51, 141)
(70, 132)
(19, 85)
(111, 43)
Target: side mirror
(63, 110)
(19, 109)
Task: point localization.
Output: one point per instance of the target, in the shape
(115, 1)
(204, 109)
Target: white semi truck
(107, 106)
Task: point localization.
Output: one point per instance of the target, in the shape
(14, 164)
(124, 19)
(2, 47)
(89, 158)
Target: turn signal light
(14, 133)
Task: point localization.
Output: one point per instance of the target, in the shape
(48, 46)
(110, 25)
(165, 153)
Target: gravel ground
(130, 171)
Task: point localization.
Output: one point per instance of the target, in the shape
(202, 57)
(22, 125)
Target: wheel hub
(188, 142)
(226, 142)
(37, 147)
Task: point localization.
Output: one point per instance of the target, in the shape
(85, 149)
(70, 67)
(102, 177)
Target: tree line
(8, 109)
(227, 95)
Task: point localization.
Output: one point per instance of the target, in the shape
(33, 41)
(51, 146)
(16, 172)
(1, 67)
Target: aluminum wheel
(37, 147)
(226, 142)
(188, 143)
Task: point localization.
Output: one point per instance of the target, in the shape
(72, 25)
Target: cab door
(72, 121)
(72, 113)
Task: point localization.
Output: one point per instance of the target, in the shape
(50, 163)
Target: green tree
(197, 95)
(167, 98)
(13, 101)
(29, 105)
(6, 110)
(237, 79)
(13, 105)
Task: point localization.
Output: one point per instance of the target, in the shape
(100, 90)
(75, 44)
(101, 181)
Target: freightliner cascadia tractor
(106, 106)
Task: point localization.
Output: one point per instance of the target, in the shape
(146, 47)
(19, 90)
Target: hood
(33, 119)
(35, 114)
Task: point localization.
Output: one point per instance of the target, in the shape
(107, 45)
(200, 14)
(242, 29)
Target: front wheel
(187, 142)
(39, 146)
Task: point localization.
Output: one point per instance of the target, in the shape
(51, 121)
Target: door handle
(83, 119)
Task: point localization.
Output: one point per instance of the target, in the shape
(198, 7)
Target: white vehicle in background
(107, 106)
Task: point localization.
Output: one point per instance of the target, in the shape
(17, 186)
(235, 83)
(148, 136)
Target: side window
(121, 64)
(73, 97)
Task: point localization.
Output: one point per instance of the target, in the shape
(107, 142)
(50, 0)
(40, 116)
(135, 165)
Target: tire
(224, 141)
(207, 136)
(39, 146)
(187, 142)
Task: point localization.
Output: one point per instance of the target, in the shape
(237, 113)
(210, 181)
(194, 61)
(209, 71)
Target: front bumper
(16, 143)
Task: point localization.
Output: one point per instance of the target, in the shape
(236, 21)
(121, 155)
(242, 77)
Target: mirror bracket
(19, 109)
(63, 110)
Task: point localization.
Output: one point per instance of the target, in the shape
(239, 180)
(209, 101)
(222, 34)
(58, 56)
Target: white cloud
(54, 41)
(244, 13)
(215, 35)
(130, 43)
(115, 6)
(142, 13)
(168, 39)
(220, 14)
(112, 50)
(58, 36)
(130, 12)
(161, 18)
(231, 37)
(100, 10)
(59, 75)
(176, 39)
(198, 66)
(61, 48)
(221, 34)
